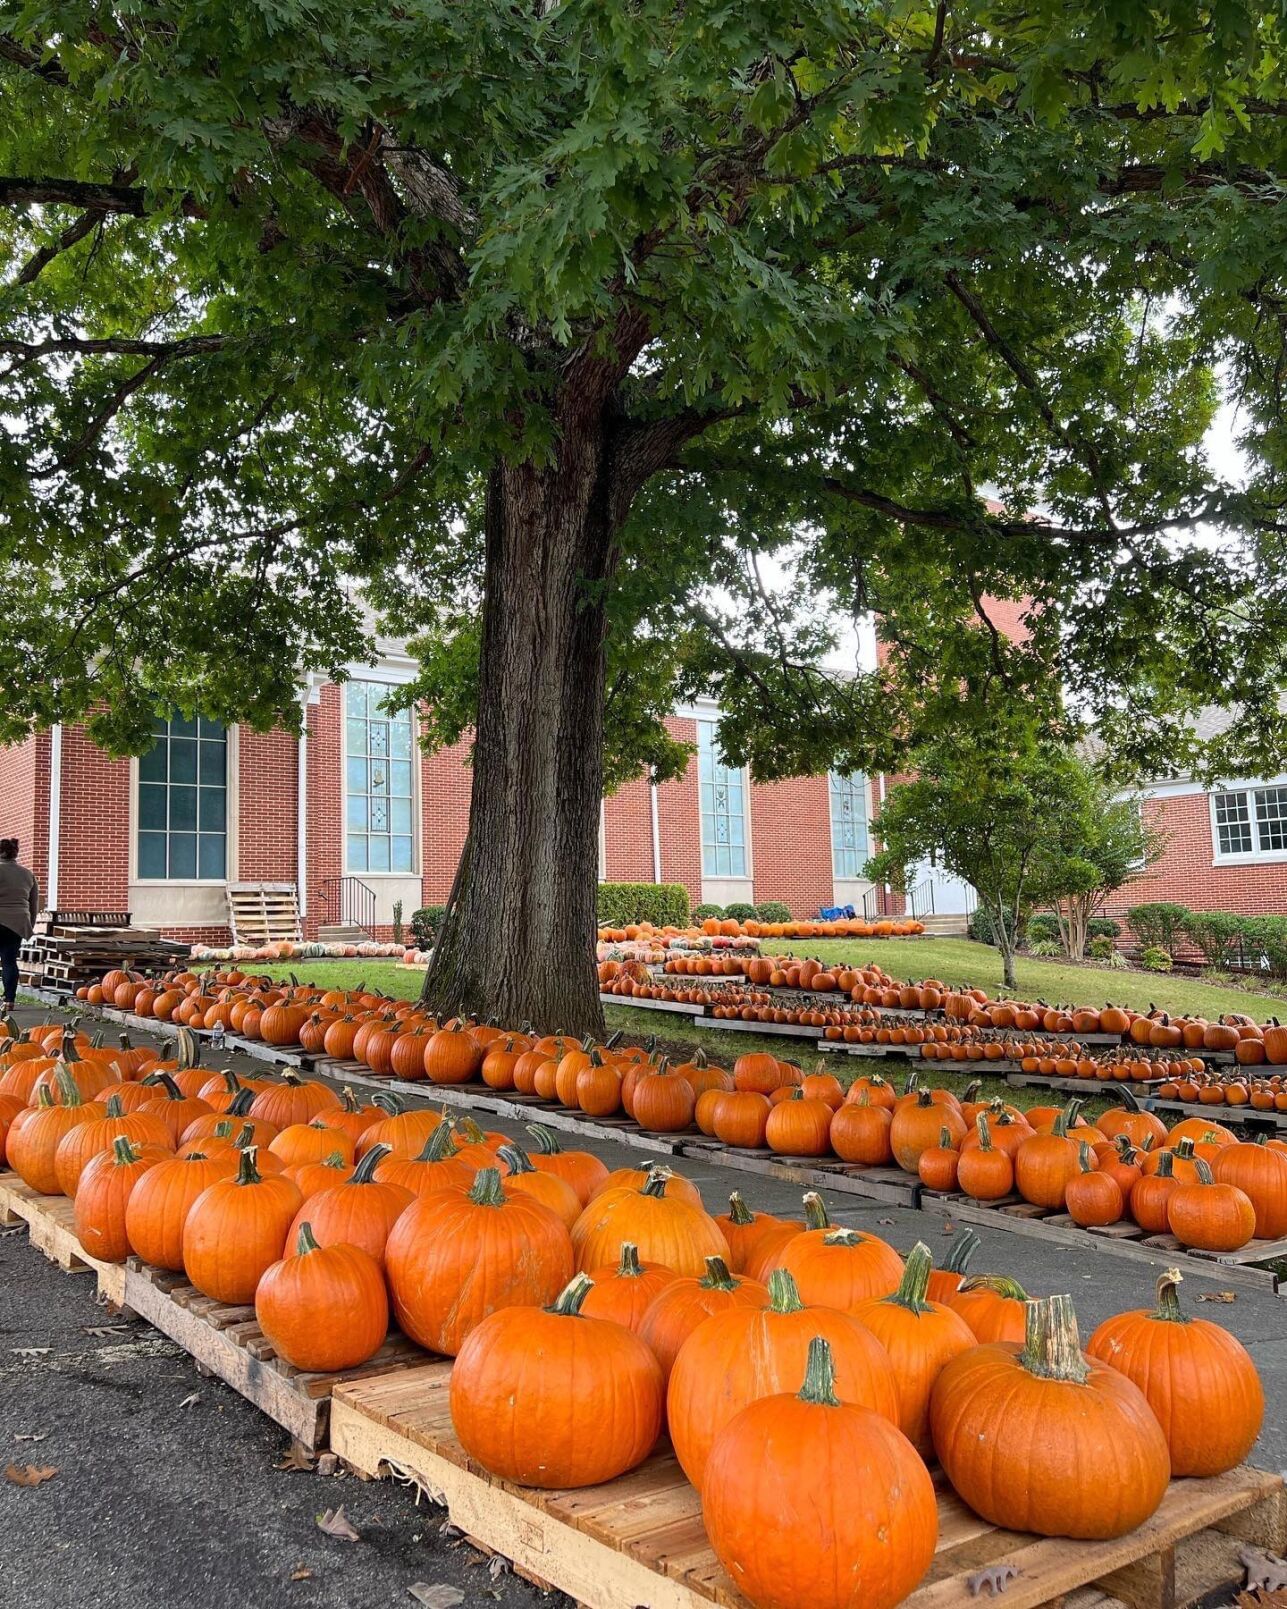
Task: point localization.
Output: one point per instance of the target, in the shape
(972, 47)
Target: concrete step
(342, 934)
(948, 925)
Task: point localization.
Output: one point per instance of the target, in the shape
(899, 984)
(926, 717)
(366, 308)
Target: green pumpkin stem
(945, 1139)
(999, 1284)
(842, 1237)
(440, 1146)
(1051, 1345)
(305, 1241)
(1085, 1161)
(114, 1107)
(241, 1103)
(784, 1294)
(819, 1376)
(971, 1090)
(1168, 1308)
(196, 1156)
(364, 1173)
(984, 1132)
(924, 1098)
(124, 1151)
(67, 1086)
(247, 1172)
(1165, 1165)
(913, 1288)
(959, 1252)
(568, 1302)
(172, 1090)
(717, 1276)
(516, 1159)
(738, 1211)
(487, 1191)
(815, 1212)
(628, 1267)
(658, 1179)
(1185, 1149)
(546, 1141)
(1205, 1175)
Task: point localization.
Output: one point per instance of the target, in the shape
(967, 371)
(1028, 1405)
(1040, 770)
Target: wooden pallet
(263, 913)
(227, 1341)
(640, 1539)
(1087, 1087)
(1243, 1267)
(51, 1229)
(1226, 1116)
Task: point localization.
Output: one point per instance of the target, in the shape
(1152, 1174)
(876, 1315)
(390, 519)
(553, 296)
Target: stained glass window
(849, 852)
(378, 786)
(723, 796)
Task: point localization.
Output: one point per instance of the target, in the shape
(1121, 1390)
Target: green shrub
(773, 910)
(1212, 931)
(1159, 926)
(1118, 961)
(740, 912)
(1042, 929)
(1101, 948)
(702, 913)
(1264, 940)
(1045, 947)
(1103, 927)
(1155, 959)
(425, 923)
(662, 904)
(979, 927)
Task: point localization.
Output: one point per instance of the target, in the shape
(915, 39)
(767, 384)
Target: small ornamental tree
(537, 329)
(1099, 843)
(981, 807)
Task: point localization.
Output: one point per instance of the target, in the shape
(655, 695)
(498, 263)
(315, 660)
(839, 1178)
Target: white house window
(378, 781)
(1251, 821)
(849, 852)
(723, 794)
(183, 802)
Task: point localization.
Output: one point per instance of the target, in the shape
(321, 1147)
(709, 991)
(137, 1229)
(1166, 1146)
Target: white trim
(232, 806)
(603, 839)
(656, 826)
(1187, 787)
(1248, 857)
(55, 814)
(701, 709)
(382, 677)
(301, 810)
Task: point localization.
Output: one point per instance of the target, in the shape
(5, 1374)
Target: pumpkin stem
(241, 1103)
(913, 1288)
(1185, 1149)
(658, 1179)
(1085, 1161)
(487, 1190)
(984, 1132)
(196, 1156)
(1165, 1165)
(999, 1284)
(515, 1159)
(959, 1252)
(364, 1173)
(1051, 1345)
(971, 1090)
(784, 1294)
(815, 1212)
(717, 1276)
(819, 1376)
(304, 1241)
(114, 1107)
(247, 1172)
(547, 1143)
(124, 1151)
(944, 1139)
(843, 1237)
(348, 1100)
(1129, 1102)
(568, 1302)
(924, 1097)
(1168, 1298)
(440, 1146)
(1205, 1176)
(628, 1267)
(389, 1103)
(67, 1086)
(245, 1137)
(738, 1211)
(471, 1131)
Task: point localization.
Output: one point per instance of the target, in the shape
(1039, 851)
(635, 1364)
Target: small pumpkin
(236, 1230)
(677, 1310)
(835, 1267)
(1092, 1198)
(667, 1229)
(582, 1169)
(359, 1211)
(993, 1305)
(1210, 1216)
(624, 1293)
(984, 1171)
(103, 1195)
(323, 1307)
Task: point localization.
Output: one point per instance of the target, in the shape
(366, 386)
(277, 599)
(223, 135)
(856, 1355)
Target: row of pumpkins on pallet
(1203, 1186)
(729, 927)
(805, 1372)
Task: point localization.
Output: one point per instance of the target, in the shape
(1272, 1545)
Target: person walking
(19, 902)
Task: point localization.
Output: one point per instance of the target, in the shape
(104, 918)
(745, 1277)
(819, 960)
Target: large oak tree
(545, 326)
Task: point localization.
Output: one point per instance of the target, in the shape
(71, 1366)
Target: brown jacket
(19, 899)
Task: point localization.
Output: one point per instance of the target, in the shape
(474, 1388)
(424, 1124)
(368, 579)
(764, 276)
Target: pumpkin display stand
(640, 1539)
(51, 1229)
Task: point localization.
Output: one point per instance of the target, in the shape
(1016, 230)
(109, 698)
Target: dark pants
(9, 943)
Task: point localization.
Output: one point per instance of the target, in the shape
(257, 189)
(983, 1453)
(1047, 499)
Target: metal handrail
(920, 900)
(347, 902)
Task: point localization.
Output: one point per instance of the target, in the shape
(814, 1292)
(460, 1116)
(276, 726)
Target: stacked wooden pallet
(61, 956)
(263, 913)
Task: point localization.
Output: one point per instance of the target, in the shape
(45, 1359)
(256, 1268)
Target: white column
(55, 813)
(656, 826)
(301, 812)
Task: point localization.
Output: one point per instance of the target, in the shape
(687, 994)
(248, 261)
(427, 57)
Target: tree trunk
(517, 944)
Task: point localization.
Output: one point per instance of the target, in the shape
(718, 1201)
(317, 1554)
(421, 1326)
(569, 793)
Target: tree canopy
(284, 280)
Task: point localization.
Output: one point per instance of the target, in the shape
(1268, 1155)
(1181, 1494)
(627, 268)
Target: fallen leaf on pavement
(29, 1474)
(436, 1596)
(301, 1574)
(335, 1522)
(296, 1459)
(949, 1228)
(1217, 1296)
(105, 1329)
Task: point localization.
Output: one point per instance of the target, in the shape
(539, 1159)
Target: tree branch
(51, 71)
(123, 198)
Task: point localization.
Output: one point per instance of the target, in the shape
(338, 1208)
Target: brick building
(357, 818)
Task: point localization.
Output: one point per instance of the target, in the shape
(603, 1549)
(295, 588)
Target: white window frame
(379, 678)
(1141, 861)
(851, 782)
(232, 803)
(1255, 855)
(746, 874)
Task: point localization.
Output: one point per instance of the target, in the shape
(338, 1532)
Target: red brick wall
(791, 843)
(627, 831)
(1185, 873)
(325, 799)
(268, 810)
(94, 837)
(445, 783)
(679, 820)
(24, 802)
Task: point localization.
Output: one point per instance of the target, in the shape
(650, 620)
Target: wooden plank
(51, 1230)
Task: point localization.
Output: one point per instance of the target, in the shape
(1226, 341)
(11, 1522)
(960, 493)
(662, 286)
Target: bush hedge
(772, 910)
(662, 904)
(704, 913)
(1155, 959)
(425, 923)
(1159, 926)
(1103, 927)
(1101, 948)
(1042, 929)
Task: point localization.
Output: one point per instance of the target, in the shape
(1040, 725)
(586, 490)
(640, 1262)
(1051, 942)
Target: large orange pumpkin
(835, 1267)
(678, 1310)
(581, 1169)
(625, 1293)
(666, 1229)
(1018, 1428)
(159, 1204)
(553, 1399)
(323, 1307)
(236, 1230)
(361, 1211)
(103, 1195)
